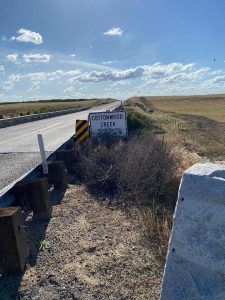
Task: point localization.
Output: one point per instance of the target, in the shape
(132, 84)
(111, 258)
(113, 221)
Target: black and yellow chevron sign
(82, 130)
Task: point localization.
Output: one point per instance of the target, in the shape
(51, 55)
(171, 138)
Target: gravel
(14, 165)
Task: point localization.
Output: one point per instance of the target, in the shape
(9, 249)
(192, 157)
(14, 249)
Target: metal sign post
(43, 155)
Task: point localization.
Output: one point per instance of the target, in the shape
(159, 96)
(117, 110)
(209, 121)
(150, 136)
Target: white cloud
(120, 83)
(4, 38)
(12, 57)
(7, 86)
(72, 73)
(170, 75)
(109, 62)
(28, 36)
(69, 90)
(72, 55)
(155, 79)
(36, 58)
(95, 76)
(14, 77)
(34, 87)
(37, 77)
(2, 68)
(218, 81)
(114, 31)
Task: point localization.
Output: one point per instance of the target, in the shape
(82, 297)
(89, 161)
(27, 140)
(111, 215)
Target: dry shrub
(99, 164)
(157, 225)
(147, 171)
(139, 170)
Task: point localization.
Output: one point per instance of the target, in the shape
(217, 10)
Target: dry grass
(157, 225)
(210, 106)
(14, 109)
(199, 133)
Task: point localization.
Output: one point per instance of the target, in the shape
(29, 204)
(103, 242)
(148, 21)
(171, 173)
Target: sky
(110, 49)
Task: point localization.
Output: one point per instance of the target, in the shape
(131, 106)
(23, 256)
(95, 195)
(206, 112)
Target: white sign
(114, 123)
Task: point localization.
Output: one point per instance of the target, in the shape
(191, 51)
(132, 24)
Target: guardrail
(30, 118)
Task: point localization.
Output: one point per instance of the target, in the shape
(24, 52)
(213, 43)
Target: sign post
(43, 155)
(113, 123)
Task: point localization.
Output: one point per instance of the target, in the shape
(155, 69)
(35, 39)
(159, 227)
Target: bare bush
(147, 171)
(99, 165)
(140, 170)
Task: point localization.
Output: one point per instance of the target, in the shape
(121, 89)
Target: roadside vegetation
(141, 173)
(14, 109)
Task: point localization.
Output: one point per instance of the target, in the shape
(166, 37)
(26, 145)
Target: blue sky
(104, 48)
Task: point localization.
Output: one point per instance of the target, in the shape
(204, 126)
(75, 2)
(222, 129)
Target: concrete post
(195, 267)
(13, 241)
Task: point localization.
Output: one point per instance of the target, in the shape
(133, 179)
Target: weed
(157, 225)
(42, 244)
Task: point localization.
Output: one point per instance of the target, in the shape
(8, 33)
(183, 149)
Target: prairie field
(25, 108)
(210, 106)
(196, 123)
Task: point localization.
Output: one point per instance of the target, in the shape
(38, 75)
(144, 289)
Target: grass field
(196, 123)
(25, 108)
(212, 106)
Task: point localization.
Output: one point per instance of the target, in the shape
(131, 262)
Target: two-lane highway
(19, 150)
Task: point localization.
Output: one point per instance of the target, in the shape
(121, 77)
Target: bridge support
(13, 241)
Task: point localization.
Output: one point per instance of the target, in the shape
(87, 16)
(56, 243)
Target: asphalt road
(19, 151)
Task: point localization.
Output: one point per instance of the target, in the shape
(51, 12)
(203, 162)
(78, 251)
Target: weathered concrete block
(13, 241)
(195, 267)
(56, 174)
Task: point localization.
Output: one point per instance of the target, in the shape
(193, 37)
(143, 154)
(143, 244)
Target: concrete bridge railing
(195, 267)
(30, 118)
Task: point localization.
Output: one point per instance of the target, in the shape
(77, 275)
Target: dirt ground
(93, 251)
